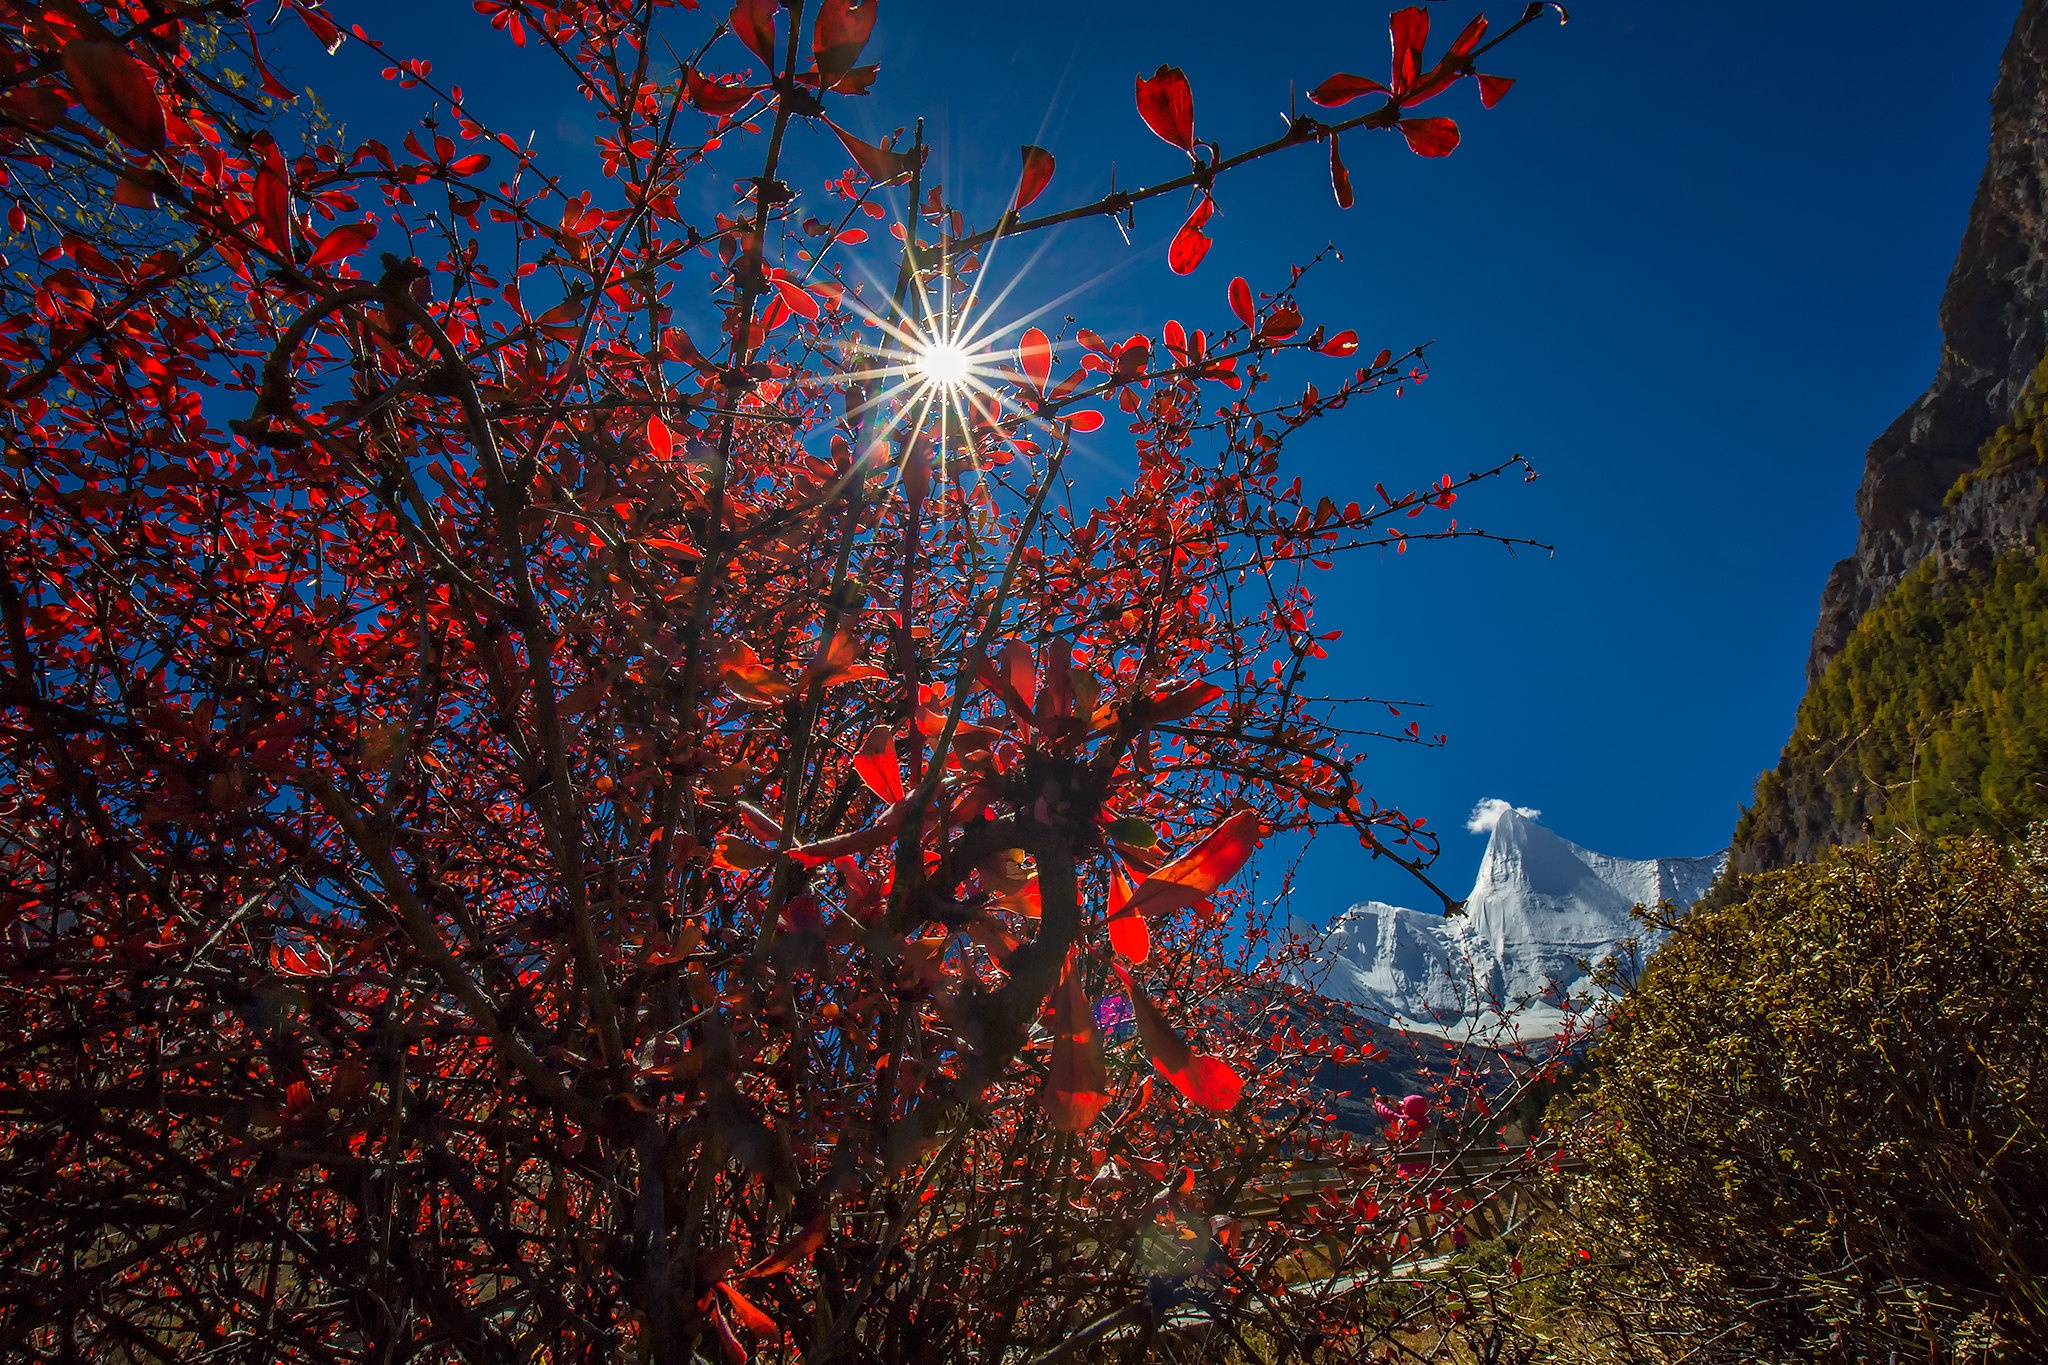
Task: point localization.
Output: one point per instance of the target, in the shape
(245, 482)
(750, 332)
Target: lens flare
(944, 364)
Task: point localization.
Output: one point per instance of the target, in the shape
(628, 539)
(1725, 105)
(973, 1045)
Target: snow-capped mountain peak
(1539, 906)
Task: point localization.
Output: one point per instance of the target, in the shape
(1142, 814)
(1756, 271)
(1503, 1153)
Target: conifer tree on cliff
(573, 772)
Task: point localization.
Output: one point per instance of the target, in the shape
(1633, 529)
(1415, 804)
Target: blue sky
(1689, 267)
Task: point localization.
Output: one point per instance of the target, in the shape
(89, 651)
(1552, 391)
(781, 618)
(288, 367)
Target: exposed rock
(1994, 323)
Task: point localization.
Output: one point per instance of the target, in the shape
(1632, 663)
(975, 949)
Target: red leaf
(738, 855)
(288, 960)
(1177, 703)
(1191, 244)
(1241, 301)
(1409, 30)
(1343, 344)
(1208, 1081)
(749, 1314)
(879, 164)
(834, 663)
(1462, 47)
(1176, 338)
(1076, 1082)
(1340, 178)
(115, 89)
(715, 99)
(1167, 105)
(1034, 357)
(1018, 677)
(853, 841)
(1280, 324)
(727, 1342)
(791, 1253)
(843, 30)
(325, 31)
(345, 240)
(1343, 88)
(1195, 875)
(751, 680)
(878, 765)
(133, 193)
(1038, 165)
(271, 84)
(797, 300)
(1085, 420)
(1492, 88)
(754, 22)
(1430, 136)
(273, 200)
(660, 439)
(1128, 934)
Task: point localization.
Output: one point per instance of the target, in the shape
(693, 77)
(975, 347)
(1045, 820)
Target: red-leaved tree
(577, 781)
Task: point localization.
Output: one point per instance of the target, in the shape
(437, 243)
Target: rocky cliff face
(1994, 324)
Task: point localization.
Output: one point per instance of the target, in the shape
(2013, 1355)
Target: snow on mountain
(1539, 907)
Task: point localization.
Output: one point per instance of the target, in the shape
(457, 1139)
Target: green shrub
(1818, 1128)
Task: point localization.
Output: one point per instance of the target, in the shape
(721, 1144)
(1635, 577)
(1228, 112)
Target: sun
(944, 364)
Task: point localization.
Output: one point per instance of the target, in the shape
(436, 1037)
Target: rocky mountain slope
(1994, 325)
(1927, 700)
(1540, 907)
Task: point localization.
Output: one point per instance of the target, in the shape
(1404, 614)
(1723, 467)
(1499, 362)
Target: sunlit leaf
(749, 679)
(878, 765)
(753, 21)
(1340, 177)
(1076, 1081)
(325, 31)
(1034, 358)
(843, 29)
(1167, 105)
(273, 199)
(1241, 301)
(1468, 39)
(1038, 167)
(883, 165)
(1409, 30)
(345, 240)
(1190, 244)
(835, 664)
(1280, 324)
(1430, 136)
(1343, 88)
(1207, 1081)
(1128, 933)
(797, 299)
(716, 99)
(1195, 875)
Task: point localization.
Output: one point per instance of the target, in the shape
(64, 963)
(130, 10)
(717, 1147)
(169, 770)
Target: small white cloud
(1488, 812)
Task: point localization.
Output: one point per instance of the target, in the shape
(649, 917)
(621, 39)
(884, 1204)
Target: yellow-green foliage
(2021, 443)
(1933, 718)
(1820, 1118)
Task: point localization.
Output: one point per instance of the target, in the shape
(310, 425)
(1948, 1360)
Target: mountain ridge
(1540, 905)
(1994, 326)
